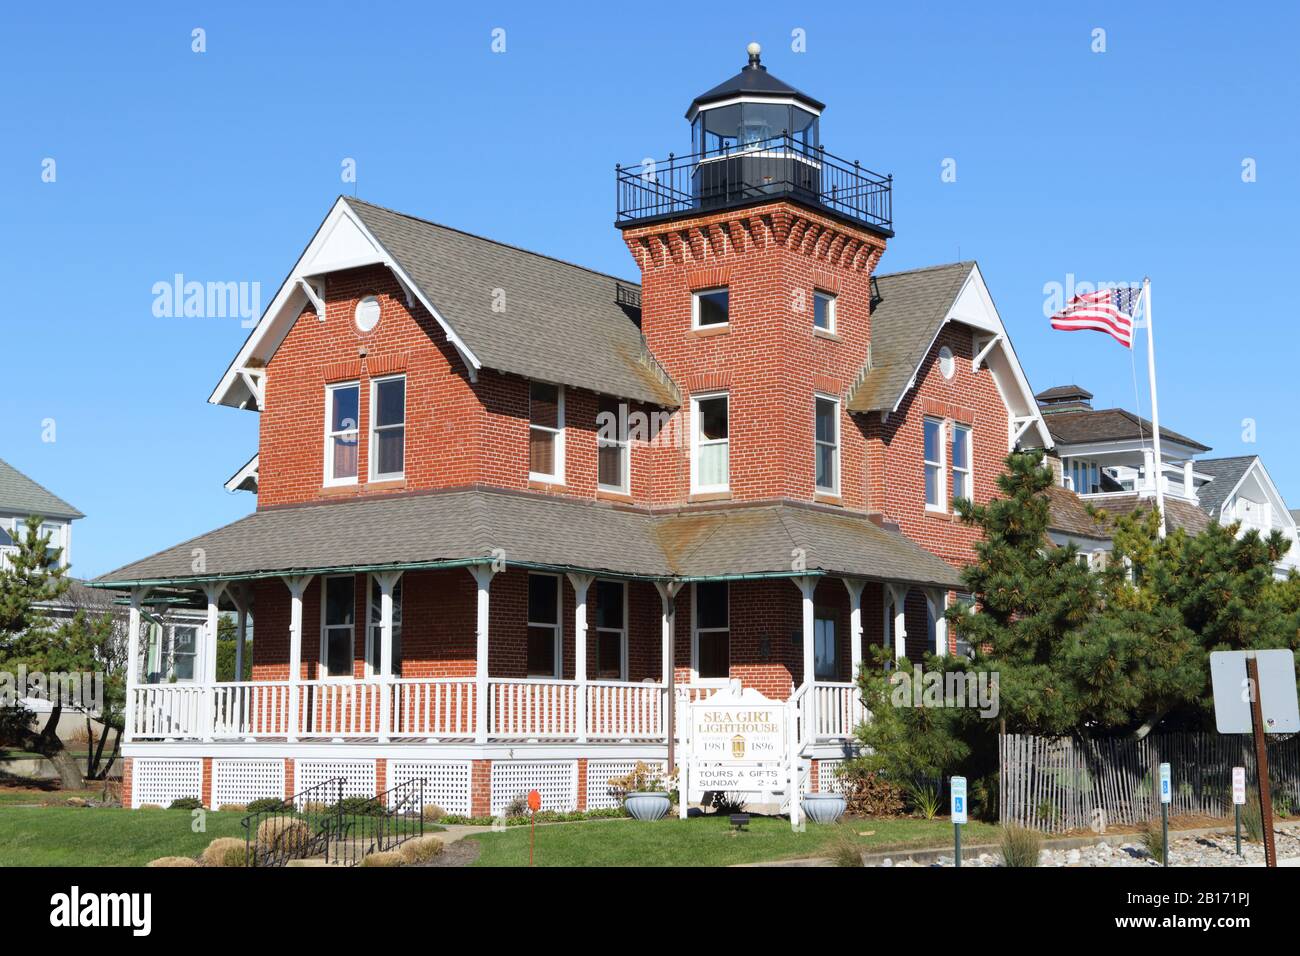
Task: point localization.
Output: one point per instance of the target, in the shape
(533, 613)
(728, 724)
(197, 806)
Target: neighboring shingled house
(1242, 491)
(21, 498)
(1105, 457)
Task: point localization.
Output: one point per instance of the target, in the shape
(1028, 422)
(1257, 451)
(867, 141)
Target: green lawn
(78, 836)
(707, 841)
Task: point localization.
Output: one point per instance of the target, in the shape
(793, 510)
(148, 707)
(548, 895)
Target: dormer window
(710, 308)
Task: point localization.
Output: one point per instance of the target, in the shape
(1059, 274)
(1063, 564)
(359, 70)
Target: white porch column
(937, 599)
(807, 586)
(213, 590)
(855, 588)
(581, 586)
(387, 580)
(1189, 479)
(242, 595)
(899, 597)
(133, 661)
(482, 574)
(297, 588)
(668, 603)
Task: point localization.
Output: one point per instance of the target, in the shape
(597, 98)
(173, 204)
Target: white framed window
(374, 630)
(826, 440)
(183, 652)
(962, 485)
(546, 432)
(934, 465)
(342, 432)
(710, 308)
(388, 428)
(710, 443)
(711, 631)
(825, 648)
(966, 601)
(338, 619)
(823, 311)
(613, 451)
(544, 631)
(611, 630)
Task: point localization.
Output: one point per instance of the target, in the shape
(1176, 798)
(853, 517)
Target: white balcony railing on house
(433, 708)
(838, 710)
(444, 708)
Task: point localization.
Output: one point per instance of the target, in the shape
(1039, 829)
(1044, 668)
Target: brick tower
(756, 253)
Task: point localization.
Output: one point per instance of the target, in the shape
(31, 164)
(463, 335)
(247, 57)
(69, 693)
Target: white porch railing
(254, 709)
(532, 709)
(619, 711)
(340, 708)
(433, 707)
(165, 711)
(444, 708)
(838, 710)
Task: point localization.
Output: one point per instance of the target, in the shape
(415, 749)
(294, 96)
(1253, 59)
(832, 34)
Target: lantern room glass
(724, 129)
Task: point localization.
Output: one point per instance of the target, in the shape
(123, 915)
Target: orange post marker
(534, 804)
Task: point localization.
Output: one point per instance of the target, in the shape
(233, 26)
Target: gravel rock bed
(1216, 849)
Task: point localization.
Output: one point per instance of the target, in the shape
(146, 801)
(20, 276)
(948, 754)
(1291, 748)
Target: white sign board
(959, 809)
(738, 743)
(1166, 790)
(1239, 785)
(1277, 691)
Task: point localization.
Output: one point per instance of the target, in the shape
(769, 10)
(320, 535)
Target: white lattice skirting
(159, 781)
(600, 772)
(828, 775)
(359, 774)
(446, 784)
(240, 782)
(555, 780)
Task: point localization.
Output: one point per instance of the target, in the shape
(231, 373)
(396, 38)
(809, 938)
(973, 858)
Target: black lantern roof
(753, 80)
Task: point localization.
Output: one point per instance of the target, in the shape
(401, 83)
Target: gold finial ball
(753, 49)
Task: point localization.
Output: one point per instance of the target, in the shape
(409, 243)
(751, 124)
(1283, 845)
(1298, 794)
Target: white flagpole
(1155, 404)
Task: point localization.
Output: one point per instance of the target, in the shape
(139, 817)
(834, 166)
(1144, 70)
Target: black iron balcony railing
(781, 167)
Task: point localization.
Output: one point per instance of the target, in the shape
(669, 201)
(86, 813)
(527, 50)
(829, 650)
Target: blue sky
(219, 165)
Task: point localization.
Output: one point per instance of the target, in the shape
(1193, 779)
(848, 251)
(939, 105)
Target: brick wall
(768, 359)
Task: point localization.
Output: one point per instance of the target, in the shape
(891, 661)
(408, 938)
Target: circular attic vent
(367, 314)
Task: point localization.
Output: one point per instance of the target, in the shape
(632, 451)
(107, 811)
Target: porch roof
(474, 525)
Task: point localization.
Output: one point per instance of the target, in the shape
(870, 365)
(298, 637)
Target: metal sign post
(534, 804)
(1261, 759)
(1166, 794)
(1238, 799)
(957, 790)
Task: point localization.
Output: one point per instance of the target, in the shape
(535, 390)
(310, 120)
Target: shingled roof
(907, 312)
(562, 323)
(532, 530)
(1226, 473)
(20, 495)
(1070, 513)
(1083, 426)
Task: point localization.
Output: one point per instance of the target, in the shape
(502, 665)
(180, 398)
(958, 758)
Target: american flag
(1109, 310)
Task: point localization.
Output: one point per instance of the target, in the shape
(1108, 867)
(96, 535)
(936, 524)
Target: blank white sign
(1277, 691)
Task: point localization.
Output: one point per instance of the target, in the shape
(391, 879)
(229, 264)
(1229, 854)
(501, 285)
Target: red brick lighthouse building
(514, 514)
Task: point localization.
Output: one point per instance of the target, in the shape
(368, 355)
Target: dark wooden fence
(1062, 783)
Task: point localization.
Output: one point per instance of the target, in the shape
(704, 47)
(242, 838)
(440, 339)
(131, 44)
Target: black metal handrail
(382, 823)
(322, 822)
(780, 167)
(303, 826)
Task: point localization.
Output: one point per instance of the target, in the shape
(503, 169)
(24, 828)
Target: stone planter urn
(646, 806)
(823, 807)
